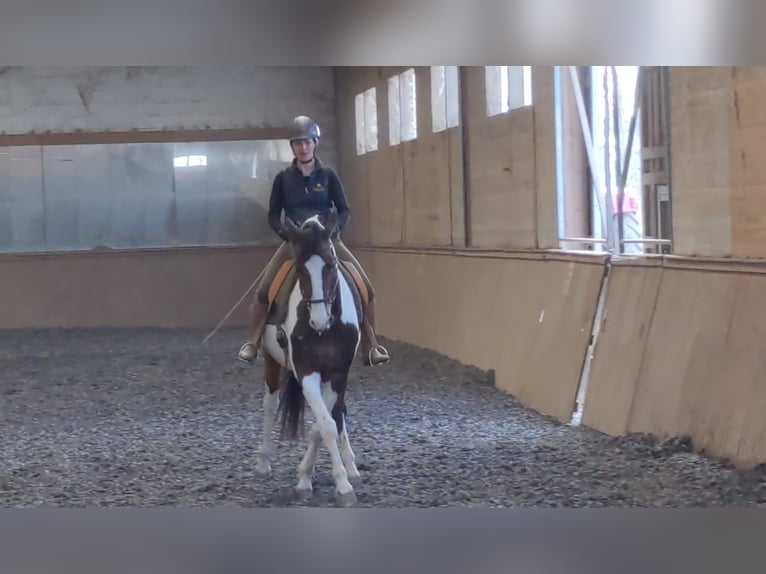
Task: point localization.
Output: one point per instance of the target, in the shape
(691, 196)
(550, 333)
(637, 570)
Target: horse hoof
(355, 481)
(303, 493)
(346, 500)
(263, 470)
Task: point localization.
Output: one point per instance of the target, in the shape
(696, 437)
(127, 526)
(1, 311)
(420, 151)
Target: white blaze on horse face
(319, 317)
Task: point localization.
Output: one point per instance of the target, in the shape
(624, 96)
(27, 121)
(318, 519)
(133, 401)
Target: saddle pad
(287, 266)
(358, 280)
(279, 279)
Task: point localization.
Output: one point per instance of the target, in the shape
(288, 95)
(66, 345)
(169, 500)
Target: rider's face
(304, 149)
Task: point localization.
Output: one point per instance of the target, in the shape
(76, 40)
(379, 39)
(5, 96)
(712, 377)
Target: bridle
(328, 301)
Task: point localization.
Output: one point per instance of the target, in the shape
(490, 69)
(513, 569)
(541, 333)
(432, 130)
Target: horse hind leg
(270, 407)
(327, 426)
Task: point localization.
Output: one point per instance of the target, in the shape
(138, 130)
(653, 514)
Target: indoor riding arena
(567, 266)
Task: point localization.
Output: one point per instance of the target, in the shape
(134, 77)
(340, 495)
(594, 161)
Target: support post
(589, 142)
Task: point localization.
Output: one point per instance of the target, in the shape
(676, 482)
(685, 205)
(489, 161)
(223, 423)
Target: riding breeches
(344, 254)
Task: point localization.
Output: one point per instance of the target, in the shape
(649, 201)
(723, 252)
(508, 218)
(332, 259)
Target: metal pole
(665, 83)
(609, 223)
(584, 125)
(648, 240)
(617, 156)
(587, 240)
(631, 131)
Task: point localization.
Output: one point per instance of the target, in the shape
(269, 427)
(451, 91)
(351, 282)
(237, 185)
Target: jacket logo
(318, 187)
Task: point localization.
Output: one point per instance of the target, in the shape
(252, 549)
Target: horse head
(316, 266)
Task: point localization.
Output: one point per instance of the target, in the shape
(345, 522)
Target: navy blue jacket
(302, 197)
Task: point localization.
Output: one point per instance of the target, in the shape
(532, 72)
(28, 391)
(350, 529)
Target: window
(136, 195)
(394, 112)
(507, 88)
(445, 107)
(402, 108)
(590, 211)
(189, 161)
(366, 112)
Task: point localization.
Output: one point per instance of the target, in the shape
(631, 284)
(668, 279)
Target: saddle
(284, 281)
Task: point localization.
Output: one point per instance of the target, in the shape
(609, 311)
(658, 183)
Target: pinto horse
(308, 355)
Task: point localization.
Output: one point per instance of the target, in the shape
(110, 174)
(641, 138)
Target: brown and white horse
(309, 356)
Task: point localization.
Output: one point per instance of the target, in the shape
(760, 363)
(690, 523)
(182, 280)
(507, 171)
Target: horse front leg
(349, 460)
(270, 406)
(337, 405)
(312, 391)
(306, 467)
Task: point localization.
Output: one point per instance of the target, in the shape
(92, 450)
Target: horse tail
(291, 408)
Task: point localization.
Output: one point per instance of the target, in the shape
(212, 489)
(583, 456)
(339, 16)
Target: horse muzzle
(320, 322)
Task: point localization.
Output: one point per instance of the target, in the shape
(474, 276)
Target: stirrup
(247, 353)
(382, 356)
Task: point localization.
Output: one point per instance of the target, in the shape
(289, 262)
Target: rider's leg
(373, 353)
(260, 307)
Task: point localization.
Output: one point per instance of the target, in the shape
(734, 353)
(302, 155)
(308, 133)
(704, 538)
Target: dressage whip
(235, 306)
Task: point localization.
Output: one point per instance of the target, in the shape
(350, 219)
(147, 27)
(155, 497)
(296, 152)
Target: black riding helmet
(304, 128)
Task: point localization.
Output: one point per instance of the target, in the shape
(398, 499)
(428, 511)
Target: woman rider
(303, 189)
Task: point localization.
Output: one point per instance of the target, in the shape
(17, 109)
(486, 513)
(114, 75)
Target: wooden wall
(683, 351)
(414, 193)
(680, 349)
(456, 230)
(718, 123)
(409, 193)
(192, 287)
(528, 317)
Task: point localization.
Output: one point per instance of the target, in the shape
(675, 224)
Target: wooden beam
(142, 136)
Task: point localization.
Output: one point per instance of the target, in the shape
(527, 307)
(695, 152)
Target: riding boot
(373, 353)
(249, 350)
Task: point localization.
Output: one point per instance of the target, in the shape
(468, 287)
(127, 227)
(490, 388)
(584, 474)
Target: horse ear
(332, 222)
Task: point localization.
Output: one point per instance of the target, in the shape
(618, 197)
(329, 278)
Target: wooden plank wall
(747, 159)
(503, 171)
(411, 193)
(681, 346)
(718, 127)
(414, 193)
(192, 287)
(683, 351)
(527, 316)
